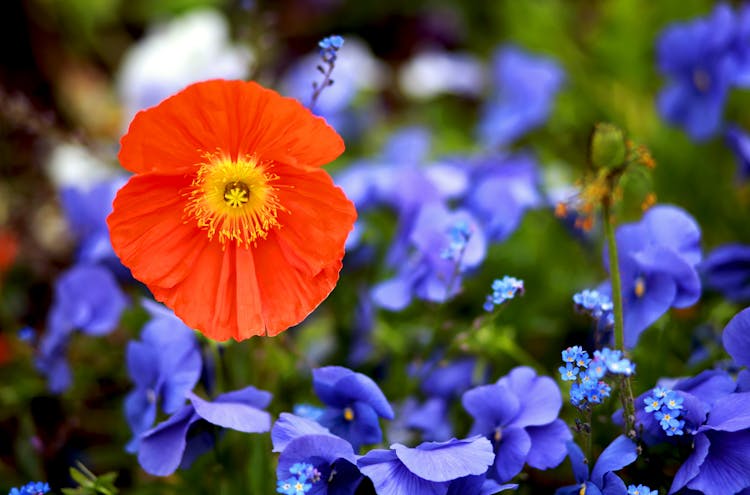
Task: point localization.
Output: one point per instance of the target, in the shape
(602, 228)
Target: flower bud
(607, 147)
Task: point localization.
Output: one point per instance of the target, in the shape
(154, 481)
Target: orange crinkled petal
(237, 118)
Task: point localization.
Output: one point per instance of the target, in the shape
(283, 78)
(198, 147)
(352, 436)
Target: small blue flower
(653, 403)
(459, 234)
(570, 355)
(569, 372)
(672, 401)
(503, 289)
(329, 47)
(596, 304)
(31, 488)
(641, 490)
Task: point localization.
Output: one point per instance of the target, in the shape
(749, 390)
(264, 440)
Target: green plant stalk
(614, 271)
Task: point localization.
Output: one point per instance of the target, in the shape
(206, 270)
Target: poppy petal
(289, 294)
(220, 296)
(235, 117)
(148, 232)
(310, 235)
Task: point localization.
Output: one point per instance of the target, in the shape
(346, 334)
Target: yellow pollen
(234, 199)
(498, 435)
(348, 414)
(640, 287)
(582, 491)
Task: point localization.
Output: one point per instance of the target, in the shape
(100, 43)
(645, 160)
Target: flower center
(702, 80)
(235, 199)
(348, 414)
(640, 287)
(498, 434)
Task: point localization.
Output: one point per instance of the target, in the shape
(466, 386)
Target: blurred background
(430, 73)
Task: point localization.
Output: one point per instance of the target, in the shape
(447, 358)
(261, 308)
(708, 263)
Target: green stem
(614, 270)
(626, 390)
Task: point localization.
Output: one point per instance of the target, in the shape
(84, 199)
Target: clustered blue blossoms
(329, 48)
(503, 289)
(589, 388)
(597, 305)
(31, 488)
(666, 406)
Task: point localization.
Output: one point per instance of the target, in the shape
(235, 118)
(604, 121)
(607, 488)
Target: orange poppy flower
(228, 219)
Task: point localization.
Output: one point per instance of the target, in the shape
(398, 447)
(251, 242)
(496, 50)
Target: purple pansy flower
(503, 188)
(444, 245)
(721, 446)
(87, 298)
(86, 211)
(602, 480)
(525, 88)
(164, 365)
(657, 260)
(702, 61)
(332, 459)
(519, 415)
(354, 404)
(188, 433)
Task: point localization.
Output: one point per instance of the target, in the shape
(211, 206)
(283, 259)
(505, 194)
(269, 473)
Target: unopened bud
(607, 147)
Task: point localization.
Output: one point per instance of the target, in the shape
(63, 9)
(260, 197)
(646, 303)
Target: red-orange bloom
(228, 219)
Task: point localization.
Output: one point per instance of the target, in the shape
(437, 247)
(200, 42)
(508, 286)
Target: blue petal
(725, 468)
(510, 454)
(691, 467)
(448, 379)
(548, 444)
(390, 477)
(235, 415)
(491, 406)
(621, 452)
(316, 450)
(340, 387)
(161, 448)
(736, 337)
(140, 412)
(730, 413)
(542, 399)
(727, 270)
(708, 385)
(288, 427)
(578, 462)
(143, 364)
(445, 461)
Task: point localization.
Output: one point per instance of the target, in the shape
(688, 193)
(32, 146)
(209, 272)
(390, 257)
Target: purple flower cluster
(448, 211)
(515, 424)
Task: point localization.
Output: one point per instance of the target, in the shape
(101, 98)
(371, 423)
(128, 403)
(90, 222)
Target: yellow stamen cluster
(235, 199)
